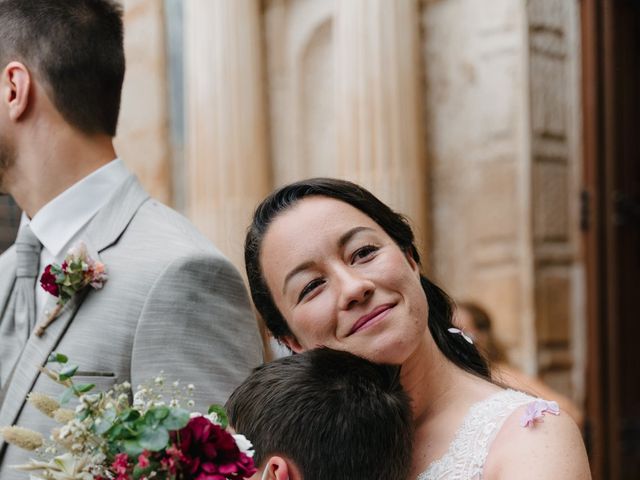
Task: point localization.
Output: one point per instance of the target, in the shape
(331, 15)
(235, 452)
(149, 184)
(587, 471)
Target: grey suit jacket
(172, 304)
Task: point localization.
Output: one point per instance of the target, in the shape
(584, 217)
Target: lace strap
(468, 452)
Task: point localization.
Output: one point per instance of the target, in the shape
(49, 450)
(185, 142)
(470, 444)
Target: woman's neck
(428, 377)
(436, 384)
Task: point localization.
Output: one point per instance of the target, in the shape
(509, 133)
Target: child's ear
(279, 468)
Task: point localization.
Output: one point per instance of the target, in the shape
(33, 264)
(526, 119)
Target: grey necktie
(20, 316)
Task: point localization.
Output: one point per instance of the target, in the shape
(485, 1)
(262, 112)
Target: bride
(330, 265)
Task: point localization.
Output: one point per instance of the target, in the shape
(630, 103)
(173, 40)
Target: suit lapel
(102, 232)
(112, 219)
(8, 277)
(35, 354)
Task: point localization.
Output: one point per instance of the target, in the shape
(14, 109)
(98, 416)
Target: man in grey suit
(171, 302)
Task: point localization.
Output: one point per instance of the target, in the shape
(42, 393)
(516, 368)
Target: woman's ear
(412, 262)
(292, 343)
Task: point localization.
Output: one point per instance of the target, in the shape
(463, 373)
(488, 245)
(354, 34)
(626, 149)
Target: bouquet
(109, 437)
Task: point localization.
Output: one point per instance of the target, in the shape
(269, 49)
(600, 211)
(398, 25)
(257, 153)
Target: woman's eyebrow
(350, 233)
(303, 266)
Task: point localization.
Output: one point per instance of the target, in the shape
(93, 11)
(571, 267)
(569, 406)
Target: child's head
(325, 414)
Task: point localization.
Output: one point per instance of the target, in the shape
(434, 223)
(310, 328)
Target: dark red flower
(211, 453)
(48, 282)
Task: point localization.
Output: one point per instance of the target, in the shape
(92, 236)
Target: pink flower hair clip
(78, 270)
(536, 410)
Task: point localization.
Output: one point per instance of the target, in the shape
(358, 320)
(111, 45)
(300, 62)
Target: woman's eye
(363, 253)
(309, 287)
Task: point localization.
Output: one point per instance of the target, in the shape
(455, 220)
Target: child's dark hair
(335, 415)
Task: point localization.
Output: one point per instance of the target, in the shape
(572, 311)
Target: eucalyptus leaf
(67, 372)
(129, 415)
(84, 387)
(177, 419)
(105, 421)
(160, 413)
(66, 396)
(57, 358)
(154, 439)
(132, 447)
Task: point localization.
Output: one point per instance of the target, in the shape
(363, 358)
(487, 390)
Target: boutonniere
(77, 272)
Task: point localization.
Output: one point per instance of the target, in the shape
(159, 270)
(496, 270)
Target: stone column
(503, 143)
(378, 103)
(143, 130)
(226, 146)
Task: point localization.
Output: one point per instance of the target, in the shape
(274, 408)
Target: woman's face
(340, 281)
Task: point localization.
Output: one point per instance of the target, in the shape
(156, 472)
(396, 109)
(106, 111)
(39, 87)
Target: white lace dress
(469, 449)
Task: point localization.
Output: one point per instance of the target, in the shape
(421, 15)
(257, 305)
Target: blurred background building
(506, 130)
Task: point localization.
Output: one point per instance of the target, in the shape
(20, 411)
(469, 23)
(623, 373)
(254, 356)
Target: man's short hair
(75, 48)
(335, 415)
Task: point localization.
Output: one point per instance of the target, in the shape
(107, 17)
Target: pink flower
(120, 465)
(143, 460)
(536, 410)
(48, 282)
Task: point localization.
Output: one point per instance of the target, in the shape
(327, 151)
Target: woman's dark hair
(454, 347)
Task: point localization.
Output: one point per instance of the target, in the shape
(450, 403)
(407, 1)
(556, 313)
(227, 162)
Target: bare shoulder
(550, 449)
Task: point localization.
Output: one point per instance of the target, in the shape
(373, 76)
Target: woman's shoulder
(537, 441)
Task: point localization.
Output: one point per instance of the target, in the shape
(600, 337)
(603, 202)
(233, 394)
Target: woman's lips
(372, 317)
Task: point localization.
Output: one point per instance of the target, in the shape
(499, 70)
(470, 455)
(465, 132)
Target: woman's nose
(354, 288)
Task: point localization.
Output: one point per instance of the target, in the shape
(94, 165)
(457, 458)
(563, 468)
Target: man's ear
(16, 89)
(293, 344)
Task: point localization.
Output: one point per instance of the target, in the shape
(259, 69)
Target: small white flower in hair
(460, 332)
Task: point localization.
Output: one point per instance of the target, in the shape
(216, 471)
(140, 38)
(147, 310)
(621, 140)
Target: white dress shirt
(59, 225)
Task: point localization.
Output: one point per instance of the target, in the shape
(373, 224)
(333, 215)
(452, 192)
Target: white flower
(244, 444)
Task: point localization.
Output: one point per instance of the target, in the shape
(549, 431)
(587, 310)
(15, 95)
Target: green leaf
(83, 388)
(222, 415)
(106, 421)
(67, 372)
(129, 415)
(160, 413)
(57, 358)
(66, 396)
(154, 439)
(132, 447)
(177, 419)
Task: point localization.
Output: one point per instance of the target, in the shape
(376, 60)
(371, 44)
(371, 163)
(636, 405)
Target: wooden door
(611, 222)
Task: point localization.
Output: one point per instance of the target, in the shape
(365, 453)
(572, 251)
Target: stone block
(493, 202)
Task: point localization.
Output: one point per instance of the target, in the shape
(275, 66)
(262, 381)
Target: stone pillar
(478, 148)
(143, 130)
(503, 143)
(378, 103)
(226, 145)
